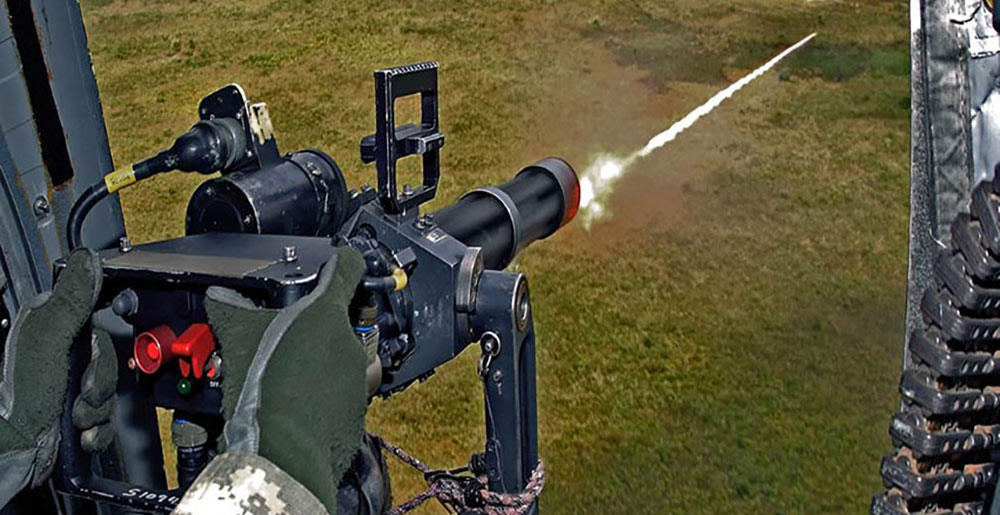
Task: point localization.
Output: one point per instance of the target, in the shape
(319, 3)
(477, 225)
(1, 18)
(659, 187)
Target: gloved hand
(297, 398)
(35, 377)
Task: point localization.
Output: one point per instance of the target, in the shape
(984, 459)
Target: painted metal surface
(52, 128)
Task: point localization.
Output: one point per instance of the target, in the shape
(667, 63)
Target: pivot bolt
(124, 244)
(289, 254)
(407, 190)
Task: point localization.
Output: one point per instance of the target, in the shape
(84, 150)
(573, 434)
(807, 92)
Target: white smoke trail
(599, 178)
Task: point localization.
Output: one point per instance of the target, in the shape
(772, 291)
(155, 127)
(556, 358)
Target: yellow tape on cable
(120, 178)
(401, 279)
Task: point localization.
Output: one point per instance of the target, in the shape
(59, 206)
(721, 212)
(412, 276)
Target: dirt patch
(609, 108)
(605, 107)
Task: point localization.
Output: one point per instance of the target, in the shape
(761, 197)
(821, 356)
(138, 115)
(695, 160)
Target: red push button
(149, 348)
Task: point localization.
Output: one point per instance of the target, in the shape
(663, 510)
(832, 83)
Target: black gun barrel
(505, 219)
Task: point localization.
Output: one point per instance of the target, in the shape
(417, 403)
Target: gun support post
(503, 312)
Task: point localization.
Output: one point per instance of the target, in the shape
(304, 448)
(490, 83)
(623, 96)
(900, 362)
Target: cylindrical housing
(192, 453)
(302, 195)
(505, 219)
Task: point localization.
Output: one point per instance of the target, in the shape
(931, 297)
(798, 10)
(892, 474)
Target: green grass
(730, 340)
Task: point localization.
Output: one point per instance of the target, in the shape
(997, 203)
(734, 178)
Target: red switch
(197, 343)
(158, 346)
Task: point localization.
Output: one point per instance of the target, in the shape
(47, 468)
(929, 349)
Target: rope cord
(465, 493)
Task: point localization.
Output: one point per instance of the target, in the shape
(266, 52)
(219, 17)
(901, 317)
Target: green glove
(296, 398)
(35, 371)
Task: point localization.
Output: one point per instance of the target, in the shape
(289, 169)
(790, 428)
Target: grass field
(729, 341)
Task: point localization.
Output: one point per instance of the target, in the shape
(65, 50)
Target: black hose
(83, 205)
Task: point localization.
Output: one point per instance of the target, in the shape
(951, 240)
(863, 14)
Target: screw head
(124, 244)
(407, 190)
(497, 376)
(42, 206)
(289, 254)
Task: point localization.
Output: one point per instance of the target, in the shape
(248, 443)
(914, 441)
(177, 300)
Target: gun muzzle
(505, 219)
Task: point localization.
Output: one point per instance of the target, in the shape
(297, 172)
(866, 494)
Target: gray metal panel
(24, 265)
(57, 28)
(14, 112)
(74, 89)
(5, 32)
(23, 178)
(23, 144)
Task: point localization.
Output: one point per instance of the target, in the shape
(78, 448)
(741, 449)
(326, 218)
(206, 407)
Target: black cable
(112, 182)
(83, 205)
(209, 146)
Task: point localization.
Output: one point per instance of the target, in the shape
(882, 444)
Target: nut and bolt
(407, 190)
(289, 254)
(124, 244)
(497, 377)
(42, 206)
(424, 222)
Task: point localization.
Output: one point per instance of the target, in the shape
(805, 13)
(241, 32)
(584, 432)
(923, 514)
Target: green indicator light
(184, 386)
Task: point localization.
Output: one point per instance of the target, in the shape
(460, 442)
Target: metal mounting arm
(507, 335)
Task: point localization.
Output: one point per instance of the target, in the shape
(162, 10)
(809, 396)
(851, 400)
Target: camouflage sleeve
(238, 484)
